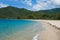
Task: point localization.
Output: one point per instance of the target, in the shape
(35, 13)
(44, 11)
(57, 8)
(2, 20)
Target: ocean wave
(35, 37)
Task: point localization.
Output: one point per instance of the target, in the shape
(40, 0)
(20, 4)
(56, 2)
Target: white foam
(35, 37)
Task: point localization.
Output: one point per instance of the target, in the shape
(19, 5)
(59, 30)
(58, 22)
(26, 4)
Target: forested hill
(21, 13)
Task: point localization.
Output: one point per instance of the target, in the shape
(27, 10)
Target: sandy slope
(50, 33)
(54, 22)
(52, 30)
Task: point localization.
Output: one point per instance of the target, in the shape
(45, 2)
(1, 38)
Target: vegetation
(21, 13)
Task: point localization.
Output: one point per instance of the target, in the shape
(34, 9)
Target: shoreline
(52, 22)
(35, 37)
(52, 31)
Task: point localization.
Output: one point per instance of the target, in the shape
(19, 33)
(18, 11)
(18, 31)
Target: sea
(20, 29)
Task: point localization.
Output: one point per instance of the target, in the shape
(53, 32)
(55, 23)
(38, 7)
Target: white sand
(53, 22)
(51, 31)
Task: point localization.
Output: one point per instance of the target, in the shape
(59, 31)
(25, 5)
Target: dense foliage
(21, 13)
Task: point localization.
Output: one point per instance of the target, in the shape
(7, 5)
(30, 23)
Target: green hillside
(21, 13)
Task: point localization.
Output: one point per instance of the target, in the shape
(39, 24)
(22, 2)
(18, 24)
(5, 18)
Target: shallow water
(19, 29)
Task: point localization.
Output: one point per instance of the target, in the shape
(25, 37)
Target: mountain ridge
(30, 10)
(21, 13)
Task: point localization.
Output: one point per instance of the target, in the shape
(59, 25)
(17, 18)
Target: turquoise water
(11, 29)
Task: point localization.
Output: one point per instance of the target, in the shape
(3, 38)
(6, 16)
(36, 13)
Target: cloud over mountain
(33, 4)
(46, 4)
(42, 4)
(3, 5)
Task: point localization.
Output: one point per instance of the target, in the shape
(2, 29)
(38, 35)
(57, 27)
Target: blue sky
(34, 5)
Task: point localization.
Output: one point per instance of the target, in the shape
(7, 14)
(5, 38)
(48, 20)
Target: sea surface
(19, 29)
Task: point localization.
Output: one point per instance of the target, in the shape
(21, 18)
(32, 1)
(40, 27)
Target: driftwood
(54, 26)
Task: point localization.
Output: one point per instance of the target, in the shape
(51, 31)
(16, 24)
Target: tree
(18, 17)
(57, 16)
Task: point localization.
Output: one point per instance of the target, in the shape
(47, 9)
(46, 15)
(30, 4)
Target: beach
(52, 30)
(29, 30)
(50, 33)
(53, 22)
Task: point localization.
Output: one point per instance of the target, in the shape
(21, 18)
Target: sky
(34, 5)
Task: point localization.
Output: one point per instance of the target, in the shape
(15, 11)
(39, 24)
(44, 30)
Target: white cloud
(45, 4)
(28, 2)
(57, 2)
(3, 5)
(40, 5)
